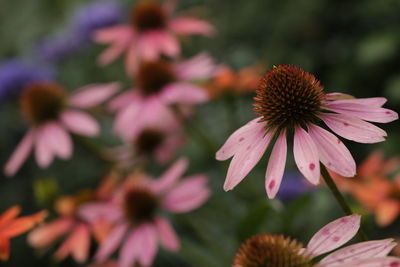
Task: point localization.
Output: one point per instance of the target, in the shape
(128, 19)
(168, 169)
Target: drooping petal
(353, 129)
(188, 26)
(181, 92)
(9, 215)
(376, 262)
(168, 44)
(276, 166)
(168, 238)
(148, 45)
(77, 244)
(80, 123)
(131, 60)
(187, 195)
(247, 156)
(200, 67)
(306, 155)
(111, 243)
(347, 99)
(141, 245)
(111, 54)
(46, 234)
(364, 112)
(359, 251)
(171, 176)
(122, 100)
(334, 234)
(93, 95)
(92, 212)
(20, 154)
(332, 152)
(4, 249)
(22, 224)
(44, 153)
(238, 138)
(58, 140)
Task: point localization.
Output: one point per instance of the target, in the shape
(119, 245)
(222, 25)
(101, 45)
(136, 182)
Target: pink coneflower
(158, 84)
(135, 212)
(292, 100)
(12, 226)
(52, 113)
(71, 226)
(268, 250)
(160, 138)
(152, 31)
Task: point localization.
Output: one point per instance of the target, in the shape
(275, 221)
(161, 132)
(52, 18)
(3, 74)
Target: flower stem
(339, 198)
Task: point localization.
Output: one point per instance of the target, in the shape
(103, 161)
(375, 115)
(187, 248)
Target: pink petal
(112, 34)
(43, 150)
(111, 243)
(247, 156)
(80, 123)
(47, 234)
(236, 140)
(371, 101)
(131, 60)
(334, 234)
(187, 195)
(199, 67)
(353, 129)
(364, 112)
(185, 93)
(376, 262)
(93, 212)
(276, 166)
(77, 244)
(20, 154)
(306, 155)
(111, 54)
(363, 250)
(171, 176)
(58, 140)
(141, 244)
(189, 26)
(93, 95)
(167, 235)
(148, 45)
(168, 44)
(122, 100)
(332, 152)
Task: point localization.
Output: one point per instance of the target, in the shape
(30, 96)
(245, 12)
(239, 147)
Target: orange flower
(11, 226)
(374, 189)
(227, 80)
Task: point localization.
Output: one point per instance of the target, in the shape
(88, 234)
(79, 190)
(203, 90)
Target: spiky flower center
(149, 140)
(271, 251)
(140, 205)
(287, 96)
(148, 15)
(152, 76)
(42, 102)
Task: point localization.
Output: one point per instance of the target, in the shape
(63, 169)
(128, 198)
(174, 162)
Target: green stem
(339, 198)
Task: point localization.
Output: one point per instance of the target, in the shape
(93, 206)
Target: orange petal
(9, 214)
(4, 249)
(387, 212)
(49, 233)
(77, 244)
(22, 224)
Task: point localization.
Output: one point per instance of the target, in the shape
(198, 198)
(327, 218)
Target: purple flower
(293, 185)
(77, 34)
(16, 74)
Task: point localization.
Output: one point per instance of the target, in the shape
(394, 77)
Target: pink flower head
(52, 114)
(159, 138)
(160, 83)
(152, 31)
(71, 226)
(292, 100)
(257, 250)
(135, 212)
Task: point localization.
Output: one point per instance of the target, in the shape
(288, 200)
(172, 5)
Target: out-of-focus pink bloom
(152, 31)
(374, 189)
(11, 226)
(72, 226)
(259, 249)
(52, 114)
(160, 138)
(135, 213)
(292, 100)
(159, 84)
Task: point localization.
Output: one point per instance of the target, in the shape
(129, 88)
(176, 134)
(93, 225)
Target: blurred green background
(351, 46)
